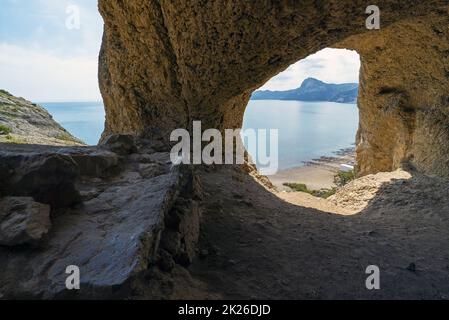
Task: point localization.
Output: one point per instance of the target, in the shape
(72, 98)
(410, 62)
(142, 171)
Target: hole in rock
(313, 105)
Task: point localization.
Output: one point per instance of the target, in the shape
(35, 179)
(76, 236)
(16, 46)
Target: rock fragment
(23, 221)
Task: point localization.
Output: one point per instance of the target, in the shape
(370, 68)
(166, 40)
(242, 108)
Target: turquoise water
(84, 120)
(307, 130)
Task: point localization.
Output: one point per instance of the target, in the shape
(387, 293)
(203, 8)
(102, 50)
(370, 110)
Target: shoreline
(317, 173)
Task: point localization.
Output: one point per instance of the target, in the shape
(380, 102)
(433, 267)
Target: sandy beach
(316, 174)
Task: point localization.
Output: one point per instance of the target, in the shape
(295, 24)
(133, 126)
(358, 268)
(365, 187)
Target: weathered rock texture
(23, 221)
(48, 177)
(127, 218)
(117, 216)
(164, 64)
(404, 95)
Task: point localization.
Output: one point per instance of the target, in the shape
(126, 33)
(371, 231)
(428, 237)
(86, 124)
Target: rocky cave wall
(404, 95)
(164, 64)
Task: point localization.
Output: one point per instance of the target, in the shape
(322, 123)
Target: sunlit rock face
(404, 95)
(164, 64)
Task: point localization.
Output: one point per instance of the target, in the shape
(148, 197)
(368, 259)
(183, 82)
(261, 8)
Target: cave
(312, 107)
(140, 227)
(154, 84)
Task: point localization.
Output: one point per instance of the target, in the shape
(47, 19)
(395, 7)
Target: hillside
(22, 121)
(313, 90)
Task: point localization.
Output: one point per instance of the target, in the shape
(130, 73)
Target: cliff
(22, 121)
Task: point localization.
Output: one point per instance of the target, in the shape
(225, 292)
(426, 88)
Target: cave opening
(313, 106)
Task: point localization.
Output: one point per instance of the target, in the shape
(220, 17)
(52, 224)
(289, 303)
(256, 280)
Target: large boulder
(23, 221)
(122, 144)
(113, 238)
(96, 162)
(47, 177)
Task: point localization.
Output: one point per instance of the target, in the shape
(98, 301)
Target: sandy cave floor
(315, 174)
(255, 244)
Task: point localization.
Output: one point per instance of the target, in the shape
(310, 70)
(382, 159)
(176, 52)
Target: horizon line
(66, 101)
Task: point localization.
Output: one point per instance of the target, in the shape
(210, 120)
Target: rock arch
(164, 64)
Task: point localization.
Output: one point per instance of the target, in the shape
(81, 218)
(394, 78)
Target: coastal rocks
(30, 123)
(22, 221)
(165, 65)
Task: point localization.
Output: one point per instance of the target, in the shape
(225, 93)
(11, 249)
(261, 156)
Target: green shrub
(342, 178)
(300, 187)
(324, 193)
(4, 130)
(64, 136)
(14, 139)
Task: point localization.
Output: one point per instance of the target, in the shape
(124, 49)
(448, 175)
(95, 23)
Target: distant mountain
(313, 90)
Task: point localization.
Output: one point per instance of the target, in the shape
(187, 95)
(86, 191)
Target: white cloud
(328, 65)
(57, 64)
(42, 76)
(41, 59)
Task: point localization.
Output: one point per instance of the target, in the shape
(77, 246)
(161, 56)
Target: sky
(328, 65)
(43, 56)
(49, 52)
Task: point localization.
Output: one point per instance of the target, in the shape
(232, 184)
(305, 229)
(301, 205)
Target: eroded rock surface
(127, 204)
(120, 144)
(47, 177)
(23, 221)
(403, 97)
(165, 64)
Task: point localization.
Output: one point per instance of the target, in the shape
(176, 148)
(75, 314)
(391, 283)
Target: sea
(84, 120)
(306, 130)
